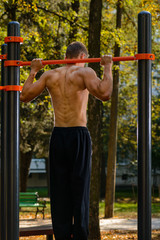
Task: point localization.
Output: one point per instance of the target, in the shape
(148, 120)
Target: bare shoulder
(53, 72)
(87, 74)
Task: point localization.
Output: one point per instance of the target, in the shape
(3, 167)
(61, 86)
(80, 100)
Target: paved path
(105, 224)
(125, 224)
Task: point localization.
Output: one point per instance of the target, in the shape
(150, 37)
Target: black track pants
(70, 167)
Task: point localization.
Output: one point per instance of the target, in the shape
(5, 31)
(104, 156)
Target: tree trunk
(25, 160)
(112, 146)
(73, 28)
(94, 119)
(11, 9)
(103, 177)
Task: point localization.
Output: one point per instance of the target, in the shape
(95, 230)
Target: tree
(94, 119)
(46, 27)
(73, 28)
(156, 131)
(36, 125)
(45, 39)
(112, 149)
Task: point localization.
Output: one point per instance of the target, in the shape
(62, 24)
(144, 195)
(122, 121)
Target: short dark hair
(74, 49)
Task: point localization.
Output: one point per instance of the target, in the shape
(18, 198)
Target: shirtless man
(70, 144)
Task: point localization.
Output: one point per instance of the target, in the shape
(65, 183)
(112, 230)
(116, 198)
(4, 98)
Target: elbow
(106, 96)
(106, 93)
(23, 98)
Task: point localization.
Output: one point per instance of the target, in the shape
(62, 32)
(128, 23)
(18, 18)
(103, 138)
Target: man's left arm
(31, 90)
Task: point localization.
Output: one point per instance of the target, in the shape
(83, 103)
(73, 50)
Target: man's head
(75, 50)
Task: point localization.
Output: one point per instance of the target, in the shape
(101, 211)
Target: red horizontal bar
(142, 56)
(13, 39)
(86, 60)
(4, 56)
(77, 60)
(13, 63)
(11, 88)
(64, 61)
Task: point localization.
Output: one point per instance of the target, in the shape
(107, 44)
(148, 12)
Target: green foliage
(156, 131)
(127, 40)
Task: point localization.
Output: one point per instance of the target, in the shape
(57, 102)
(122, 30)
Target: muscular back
(69, 87)
(69, 96)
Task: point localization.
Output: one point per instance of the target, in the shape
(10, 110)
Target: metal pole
(3, 158)
(13, 137)
(144, 128)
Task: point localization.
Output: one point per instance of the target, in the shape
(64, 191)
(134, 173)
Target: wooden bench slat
(28, 193)
(34, 231)
(35, 228)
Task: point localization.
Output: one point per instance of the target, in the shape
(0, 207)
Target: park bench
(31, 200)
(37, 230)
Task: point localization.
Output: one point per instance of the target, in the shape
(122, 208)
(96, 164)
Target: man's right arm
(33, 89)
(102, 89)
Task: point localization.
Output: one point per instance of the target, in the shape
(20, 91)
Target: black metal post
(3, 158)
(13, 73)
(144, 128)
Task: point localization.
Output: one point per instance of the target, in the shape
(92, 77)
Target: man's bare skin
(69, 87)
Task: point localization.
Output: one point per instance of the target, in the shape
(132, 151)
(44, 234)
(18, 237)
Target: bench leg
(36, 213)
(43, 212)
(49, 237)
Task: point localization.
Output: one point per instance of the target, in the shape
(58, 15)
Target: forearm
(27, 87)
(31, 90)
(29, 81)
(106, 85)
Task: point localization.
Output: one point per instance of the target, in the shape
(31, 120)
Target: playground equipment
(9, 165)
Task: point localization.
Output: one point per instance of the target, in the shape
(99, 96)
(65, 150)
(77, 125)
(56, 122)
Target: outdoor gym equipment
(9, 165)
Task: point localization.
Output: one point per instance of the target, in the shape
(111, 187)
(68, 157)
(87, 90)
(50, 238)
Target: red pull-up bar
(86, 60)
(11, 88)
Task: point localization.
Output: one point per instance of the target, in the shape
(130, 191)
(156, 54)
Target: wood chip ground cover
(108, 235)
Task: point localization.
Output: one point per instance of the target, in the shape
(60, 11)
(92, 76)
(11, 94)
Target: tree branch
(133, 22)
(1, 17)
(62, 17)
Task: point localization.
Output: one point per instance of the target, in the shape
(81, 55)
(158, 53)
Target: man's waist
(58, 128)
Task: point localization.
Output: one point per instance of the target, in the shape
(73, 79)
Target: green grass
(122, 209)
(126, 203)
(156, 209)
(128, 209)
